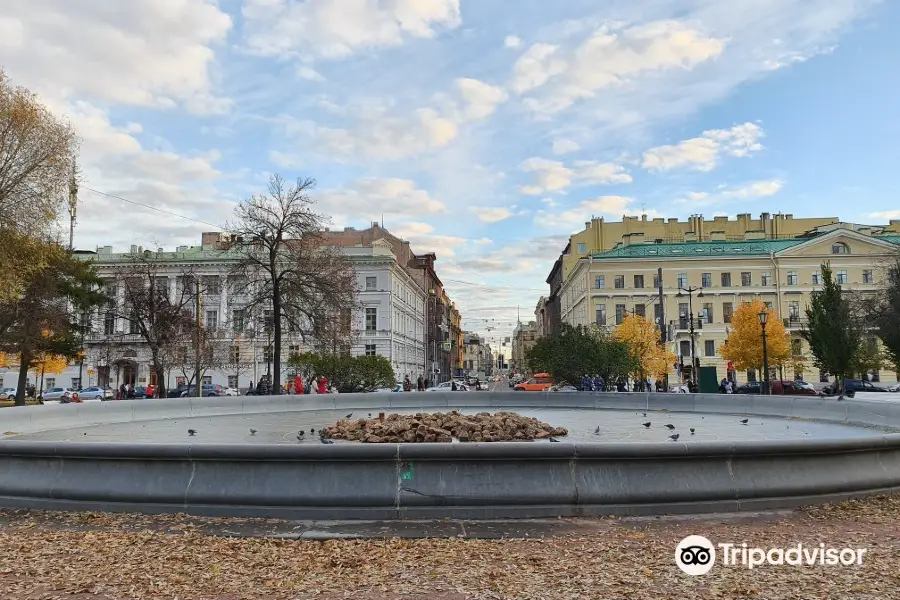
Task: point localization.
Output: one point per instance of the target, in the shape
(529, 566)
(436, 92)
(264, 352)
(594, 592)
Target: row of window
(706, 314)
(706, 279)
(836, 248)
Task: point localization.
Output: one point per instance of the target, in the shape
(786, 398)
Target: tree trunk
(160, 374)
(276, 355)
(23, 380)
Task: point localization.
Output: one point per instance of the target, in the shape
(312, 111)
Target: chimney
(717, 236)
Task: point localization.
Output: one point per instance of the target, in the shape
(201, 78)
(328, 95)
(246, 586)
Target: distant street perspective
(449, 300)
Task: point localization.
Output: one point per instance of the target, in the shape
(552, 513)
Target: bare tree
(199, 351)
(162, 319)
(280, 244)
(37, 157)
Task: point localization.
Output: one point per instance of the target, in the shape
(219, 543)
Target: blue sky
(486, 131)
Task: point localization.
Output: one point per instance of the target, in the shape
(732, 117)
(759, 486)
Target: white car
(58, 396)
(7, 393)
(563, 388)
(232, 392)
(447, 386)
(894, 388)
(95, 393)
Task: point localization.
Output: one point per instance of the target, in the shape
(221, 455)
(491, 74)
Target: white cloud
(483, 241)
(554, 176)
(724, 193)
(756, 189)
(549, 202)
(491, 215)
(366, 200)
(885, 215)
(610, 56)
(512, 41)
(563, 146)
(308, 73)
(481, 99)
(574, 218)
(703, 153)
(155, 54)
(338, 28)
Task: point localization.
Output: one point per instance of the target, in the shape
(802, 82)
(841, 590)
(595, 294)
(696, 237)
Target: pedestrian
(323, 385)
(250, 390)
(453, 386)
(407, 384)
(298, 384)
(420, 384)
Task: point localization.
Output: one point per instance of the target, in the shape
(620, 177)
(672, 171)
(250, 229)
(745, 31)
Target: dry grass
(608, 559)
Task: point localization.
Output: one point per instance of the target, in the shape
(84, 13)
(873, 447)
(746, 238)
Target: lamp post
(763, 318)
(695, 362)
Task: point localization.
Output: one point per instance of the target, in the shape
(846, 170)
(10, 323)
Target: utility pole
(73, 205)
(197, 345)
(662, 323)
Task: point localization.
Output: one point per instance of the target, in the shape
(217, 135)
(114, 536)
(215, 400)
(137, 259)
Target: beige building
(602, 287)
(524, 338)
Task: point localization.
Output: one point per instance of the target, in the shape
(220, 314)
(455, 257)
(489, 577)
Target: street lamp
(695, 361)
(763, 319)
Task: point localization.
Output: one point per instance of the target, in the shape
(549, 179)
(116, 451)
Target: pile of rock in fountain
(443, 427)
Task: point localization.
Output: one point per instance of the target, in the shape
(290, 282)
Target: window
(207, 379)
(371, 319)
(212, 320)
(582, 248)
(685, 348)
(708, 312)
(109, 324)
(134, 326)
(683, 310)
(237, 320)
(840, 248)
(727, 311)
(768, 306)
(51, 382)
(682, 280)
(709, 347)
(796, 347)
(706, 280)
(726, 279)
(371, 284)
(211, 284)
(293, 351)
(656, 281)
(600, 282)
(817, 278)
(233, 382)
(268, 321)
(370, 349)
(794, 310)
(620, 313)
(267, 354)
(746, 279)
(792, 277)
(640, 309)
(620, 282)
(234, 354)
(638, 281)
(600, 315)
(161, 286)
(766, 279)
(868, 276)
(842, 276)
(76, 383)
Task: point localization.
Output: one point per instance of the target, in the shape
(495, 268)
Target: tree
(834, 333)
(164, 320)
(887, 317)
(45, 320)
(643, 340)
(572, 352)
(374, 372)
(744, 348)
(280, 244)
(37, 158)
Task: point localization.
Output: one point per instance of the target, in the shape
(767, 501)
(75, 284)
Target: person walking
(420, 384)
(298, 385)
(323, 385)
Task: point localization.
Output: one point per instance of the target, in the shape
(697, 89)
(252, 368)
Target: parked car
(856, 385)
(96, 393)
(779, 388)
(232, 392)
(541, 382)
(208, 390)
(60, 396)
(7, 393)
(447, 386)
(894, 388)
(564, 388)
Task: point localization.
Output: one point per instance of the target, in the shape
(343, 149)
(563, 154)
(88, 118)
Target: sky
(486, 131)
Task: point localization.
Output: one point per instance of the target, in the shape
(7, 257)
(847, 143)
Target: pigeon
(327, 441)
(674, 437)
(553, 439)
(192, 431)
(744, 421)
(670, 427)
(300, 435)
(645, 414)
(647, 424)
(312, 429)
(370, 414)
(252, 432)
(597, 430)
(692, 431)
(349, 415)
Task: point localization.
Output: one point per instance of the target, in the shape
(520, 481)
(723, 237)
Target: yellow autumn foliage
(49, 364)
(744, 344)
(642, 338)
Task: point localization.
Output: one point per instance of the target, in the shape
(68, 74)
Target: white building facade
(389, 320)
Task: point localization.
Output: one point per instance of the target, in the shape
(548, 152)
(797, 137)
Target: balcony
(795, 322)
(114, 338)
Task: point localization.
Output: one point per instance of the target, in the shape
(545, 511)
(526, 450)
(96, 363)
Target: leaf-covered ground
(119, 557)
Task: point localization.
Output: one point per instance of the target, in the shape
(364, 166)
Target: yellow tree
(744, 344)
(642, 338)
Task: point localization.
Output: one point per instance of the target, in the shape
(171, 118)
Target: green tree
(834, 333)
(374, 372)
(576, 351)
(887, 316)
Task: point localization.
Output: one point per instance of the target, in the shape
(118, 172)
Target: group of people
(315, 385)
(596, 383)
(726, 387)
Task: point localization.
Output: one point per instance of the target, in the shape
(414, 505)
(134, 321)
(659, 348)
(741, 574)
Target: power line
(160, 210)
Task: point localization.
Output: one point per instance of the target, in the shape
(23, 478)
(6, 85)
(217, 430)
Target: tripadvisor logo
(696, 555)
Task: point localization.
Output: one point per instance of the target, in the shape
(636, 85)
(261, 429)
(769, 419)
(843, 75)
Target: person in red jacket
(298, 384)
(323, 385)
